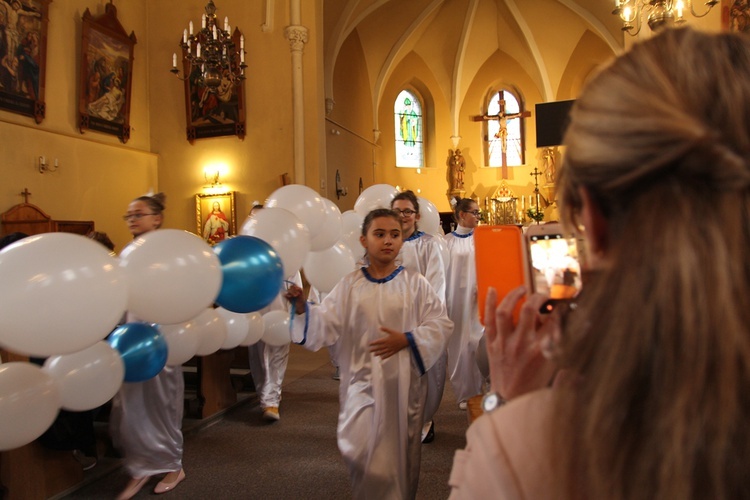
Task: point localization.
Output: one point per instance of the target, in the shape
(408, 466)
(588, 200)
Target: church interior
(320, 84)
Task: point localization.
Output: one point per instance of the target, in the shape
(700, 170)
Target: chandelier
(659, 13)
(212, 55)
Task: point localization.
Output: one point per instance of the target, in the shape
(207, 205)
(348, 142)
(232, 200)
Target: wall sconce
(211, 174)
(340, 190)
(45, 167)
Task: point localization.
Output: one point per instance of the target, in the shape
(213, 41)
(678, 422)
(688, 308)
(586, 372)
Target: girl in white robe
(421, 254)
(146, 417)
(461, 300)
(391, 328)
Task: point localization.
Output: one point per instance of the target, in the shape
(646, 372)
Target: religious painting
(407, 111)
(214, 111)
(215, 217)
(106, 75)
(23, 55)
(735, 15)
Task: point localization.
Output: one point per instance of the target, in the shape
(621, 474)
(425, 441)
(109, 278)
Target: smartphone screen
(555, 267)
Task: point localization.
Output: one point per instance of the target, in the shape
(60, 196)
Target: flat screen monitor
(551, 122)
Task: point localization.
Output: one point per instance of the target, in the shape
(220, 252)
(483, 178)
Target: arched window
(407, 111)
(504, 145)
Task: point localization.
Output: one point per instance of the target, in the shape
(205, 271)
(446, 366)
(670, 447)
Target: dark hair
(11, 238)
(462, 205)
(155, 202)
(101, 238)
(409, 196)
(376, 214)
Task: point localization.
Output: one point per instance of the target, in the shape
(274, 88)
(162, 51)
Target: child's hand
(294, 295)
(390, 344)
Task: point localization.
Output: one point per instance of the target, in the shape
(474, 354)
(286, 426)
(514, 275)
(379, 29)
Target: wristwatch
(491, 401)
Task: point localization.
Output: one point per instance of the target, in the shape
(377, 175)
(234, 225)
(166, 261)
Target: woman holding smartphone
(657, 348)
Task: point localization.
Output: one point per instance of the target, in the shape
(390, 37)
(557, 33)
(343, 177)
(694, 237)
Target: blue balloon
(252, 271)
(142, 348)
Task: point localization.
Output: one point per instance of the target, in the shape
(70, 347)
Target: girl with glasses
(461, 300)
(146, 418)
(421, 254)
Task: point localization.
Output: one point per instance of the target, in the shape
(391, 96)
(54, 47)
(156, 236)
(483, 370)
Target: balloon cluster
(62, 295)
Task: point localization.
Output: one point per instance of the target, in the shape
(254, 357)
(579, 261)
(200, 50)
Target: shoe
(165, 486)
(463, 405)
(271, 414)
(86, 461)
(429, 436)
(336, 374)
(134, 486)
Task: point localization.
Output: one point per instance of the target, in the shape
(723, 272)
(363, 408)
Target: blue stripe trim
(415, 351)
(414, 236)
(382, 280)
(463, 235)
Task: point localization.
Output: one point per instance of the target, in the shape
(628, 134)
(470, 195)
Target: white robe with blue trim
(382, 401)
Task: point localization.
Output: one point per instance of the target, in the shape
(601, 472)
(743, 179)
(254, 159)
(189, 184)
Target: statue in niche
(550, 169)
(457, 167)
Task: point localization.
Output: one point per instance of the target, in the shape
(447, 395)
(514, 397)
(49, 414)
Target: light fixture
(659, 13)
(211, 174)
(44, 166)
(212, 53)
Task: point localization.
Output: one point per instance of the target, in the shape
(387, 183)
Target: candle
(198, 50)
(184, 37)
(523, 203)
(191, 27)
(242, 42)
(174, 60)
(215, 37)
(242, 56)
(226, 24)
(203, 21)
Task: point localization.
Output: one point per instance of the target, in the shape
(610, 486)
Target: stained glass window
(407, 111)
(505, 144)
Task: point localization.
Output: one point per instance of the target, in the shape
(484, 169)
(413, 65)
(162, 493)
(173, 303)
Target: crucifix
(25, 193)
(502, 133)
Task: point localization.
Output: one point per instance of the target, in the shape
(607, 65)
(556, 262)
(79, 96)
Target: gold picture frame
(215, 216)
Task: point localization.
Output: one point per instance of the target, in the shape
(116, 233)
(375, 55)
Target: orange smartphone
(500, 262)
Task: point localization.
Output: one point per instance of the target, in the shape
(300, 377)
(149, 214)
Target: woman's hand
(389, 345)
(294, 295)
(517, 364)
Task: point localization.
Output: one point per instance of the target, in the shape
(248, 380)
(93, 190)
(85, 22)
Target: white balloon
(255, 329)
(59, 293)
(182, 341)
(331, 230)
(29, 402)
(282, 230)
(429, 217)
(87, 379)
(376, 196)
(351, 223)
(172, 275)
(326, 268)
(303, 202)
(276, 328)
(212, 332)
(238, 325)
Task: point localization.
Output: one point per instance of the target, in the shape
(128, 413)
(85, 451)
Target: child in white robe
(461, 300)
(374, 314)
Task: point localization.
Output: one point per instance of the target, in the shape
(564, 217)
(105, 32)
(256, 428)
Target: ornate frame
(208, 115)
(106, 75)
(18, 65)
(204, 209)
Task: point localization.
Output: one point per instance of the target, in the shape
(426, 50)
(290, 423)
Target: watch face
(490, 402)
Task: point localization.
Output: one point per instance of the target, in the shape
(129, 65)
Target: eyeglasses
(475, 213)
(406, 212)
(127, 217)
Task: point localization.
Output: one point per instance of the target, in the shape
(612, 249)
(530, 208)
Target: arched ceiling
(456, 37)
